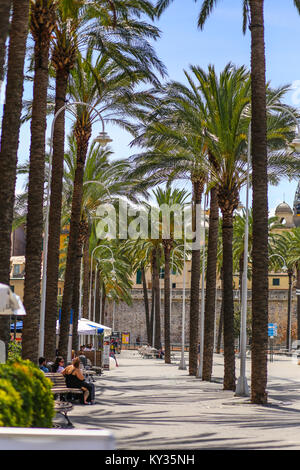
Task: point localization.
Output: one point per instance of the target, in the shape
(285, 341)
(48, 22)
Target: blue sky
(182, 44)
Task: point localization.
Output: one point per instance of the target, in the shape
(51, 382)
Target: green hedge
(31, 393)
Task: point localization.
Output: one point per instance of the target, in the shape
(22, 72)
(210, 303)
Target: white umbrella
(88, 327)
(10, 303)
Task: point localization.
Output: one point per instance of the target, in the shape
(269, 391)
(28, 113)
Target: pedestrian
(42, 365)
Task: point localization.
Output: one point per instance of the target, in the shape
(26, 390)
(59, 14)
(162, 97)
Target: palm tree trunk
(195, 286)
(10, 140)
(167, 293)
(75, 299)
(259, 356)
(42, 23)
(298, 302)
(156, 266)
(146, 303)
(55, 217)
(211, 279)
(229, 353)
(82, 133)
(5, 7)
(86, 278)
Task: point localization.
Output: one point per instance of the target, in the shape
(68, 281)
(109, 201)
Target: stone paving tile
(148, 404)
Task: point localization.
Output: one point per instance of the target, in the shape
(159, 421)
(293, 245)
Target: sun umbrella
(88, 327)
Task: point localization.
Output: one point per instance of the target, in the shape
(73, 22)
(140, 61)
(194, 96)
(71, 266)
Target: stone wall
(132, 318)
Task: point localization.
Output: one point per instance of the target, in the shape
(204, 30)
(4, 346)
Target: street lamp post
(101, 138)
(242, 388)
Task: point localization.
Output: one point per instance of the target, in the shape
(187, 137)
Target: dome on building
(283, 208)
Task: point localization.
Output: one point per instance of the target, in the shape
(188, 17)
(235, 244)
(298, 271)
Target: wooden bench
(59, 386)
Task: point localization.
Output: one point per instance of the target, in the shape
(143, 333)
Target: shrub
(11, 413)
(34, 390)
(14, 350)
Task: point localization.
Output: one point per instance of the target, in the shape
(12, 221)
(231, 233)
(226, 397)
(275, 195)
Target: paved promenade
(148, 404)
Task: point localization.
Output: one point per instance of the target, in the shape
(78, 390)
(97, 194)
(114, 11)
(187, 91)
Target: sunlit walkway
(150, 405)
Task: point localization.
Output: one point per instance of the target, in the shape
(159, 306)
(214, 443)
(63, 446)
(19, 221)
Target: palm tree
(227, 98)
(5, 8)
(211, 278)
(253, 16)
(63, 48)
(42, 21)
(10, 138)
(87, 85)
(170, 198)
(115, 30)
(175, 150)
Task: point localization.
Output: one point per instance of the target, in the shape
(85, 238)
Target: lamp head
(102, 138)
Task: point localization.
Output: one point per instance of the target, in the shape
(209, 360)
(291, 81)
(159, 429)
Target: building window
(276, 281)
(173, 285)
(162, 273)
(17, 269)
(139, 276)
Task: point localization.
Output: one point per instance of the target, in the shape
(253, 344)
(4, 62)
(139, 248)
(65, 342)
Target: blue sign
(272, 329)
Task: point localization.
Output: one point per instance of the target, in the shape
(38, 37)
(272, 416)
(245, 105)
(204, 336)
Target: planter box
(55, 439)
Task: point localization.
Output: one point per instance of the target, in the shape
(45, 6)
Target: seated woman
(75, 379)
(59, 364)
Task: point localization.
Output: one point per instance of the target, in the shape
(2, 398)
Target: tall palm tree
(173, 136)
(227, 98)
(170, 198)
(113, 28)
(210, 292)
(10, 138)
(42, 22)
(87, 85)
(64, 46)
(253, 16)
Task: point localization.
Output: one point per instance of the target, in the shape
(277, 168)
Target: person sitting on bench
(75, 379)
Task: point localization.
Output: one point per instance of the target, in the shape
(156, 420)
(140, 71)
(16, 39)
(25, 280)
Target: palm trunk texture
(195, 287)
(211, 279)
(10, 140)
(51, 311)
(42, 23)
(82, 134)
(259, 357)
(229, 353)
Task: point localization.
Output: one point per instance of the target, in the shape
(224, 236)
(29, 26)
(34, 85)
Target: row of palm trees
(99, 53)
(60, 35)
